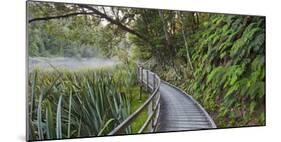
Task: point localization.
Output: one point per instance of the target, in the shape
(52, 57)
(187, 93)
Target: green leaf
(69, 115)
(252, 106)
(39, 118)
(58, 119)
(105, 126)
(50, 121)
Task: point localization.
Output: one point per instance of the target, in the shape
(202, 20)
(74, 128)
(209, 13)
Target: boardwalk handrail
(152, 103)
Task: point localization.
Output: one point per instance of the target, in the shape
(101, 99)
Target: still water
(69, 63)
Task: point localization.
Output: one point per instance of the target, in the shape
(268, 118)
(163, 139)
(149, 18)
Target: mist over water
(69, 63)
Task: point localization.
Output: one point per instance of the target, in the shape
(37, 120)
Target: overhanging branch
(59, 16)
(94, 12)
(115, 22)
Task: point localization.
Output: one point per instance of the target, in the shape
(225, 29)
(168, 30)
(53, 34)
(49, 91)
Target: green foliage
(229, 74)
(227, 52)
(76, 36)
(230, 68)
(58, 38)
(80, 103)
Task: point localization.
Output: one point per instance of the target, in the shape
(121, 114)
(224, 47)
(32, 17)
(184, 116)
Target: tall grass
(65, 104)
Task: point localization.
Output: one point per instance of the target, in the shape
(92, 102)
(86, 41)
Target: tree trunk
(185, 43)
(167, 36)
(197, 19)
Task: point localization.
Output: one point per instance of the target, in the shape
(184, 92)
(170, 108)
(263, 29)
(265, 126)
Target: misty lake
(69, 63)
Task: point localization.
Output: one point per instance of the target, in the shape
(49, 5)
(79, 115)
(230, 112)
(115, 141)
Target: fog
(69, 63)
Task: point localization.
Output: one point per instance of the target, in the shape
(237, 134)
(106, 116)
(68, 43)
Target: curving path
(179, 111)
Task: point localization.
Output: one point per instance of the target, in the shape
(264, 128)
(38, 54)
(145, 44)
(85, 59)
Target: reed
(78, 103)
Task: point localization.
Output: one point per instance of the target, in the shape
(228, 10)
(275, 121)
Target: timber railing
(151, 82)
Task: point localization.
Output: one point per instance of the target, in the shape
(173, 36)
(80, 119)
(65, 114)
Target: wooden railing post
(150, 106)
(138, 73)
(147, 81)
(154, 85)
(141, 78)
(153, 103)
(150, 112)
(157, 111)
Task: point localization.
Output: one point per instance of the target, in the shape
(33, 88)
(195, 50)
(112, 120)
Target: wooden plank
(188, 127)
(194, 120)
(188, 123)
(185, 128)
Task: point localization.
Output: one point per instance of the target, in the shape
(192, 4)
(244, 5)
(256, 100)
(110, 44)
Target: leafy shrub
(230, 69)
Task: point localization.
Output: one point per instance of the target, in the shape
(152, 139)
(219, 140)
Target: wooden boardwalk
(169, 108)
(179, 111)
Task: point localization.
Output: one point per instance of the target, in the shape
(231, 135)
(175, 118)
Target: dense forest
(219, 59)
